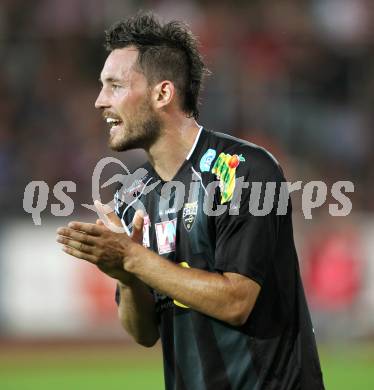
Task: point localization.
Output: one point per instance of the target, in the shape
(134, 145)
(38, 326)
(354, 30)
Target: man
(212, 276)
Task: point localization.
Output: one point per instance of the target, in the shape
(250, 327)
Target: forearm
(211, 293)
(136, 311)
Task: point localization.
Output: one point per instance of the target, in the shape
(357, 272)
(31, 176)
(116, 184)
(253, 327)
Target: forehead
(119, 63)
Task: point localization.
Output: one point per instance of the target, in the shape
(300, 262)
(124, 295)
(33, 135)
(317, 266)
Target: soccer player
(203, 268)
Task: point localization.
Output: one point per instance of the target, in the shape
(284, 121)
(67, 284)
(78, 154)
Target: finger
(88, 249)
(108, 216)
(108, 212)
(137, 224)
(89, 228)
(79, 255)
(100, 222)
(77, 236)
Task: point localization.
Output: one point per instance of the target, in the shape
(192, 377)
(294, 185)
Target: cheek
(129, 103)
(121, 93)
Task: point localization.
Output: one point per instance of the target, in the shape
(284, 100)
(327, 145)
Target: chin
(133, 140)
(124, 145)
(117, 142)
(117, 147)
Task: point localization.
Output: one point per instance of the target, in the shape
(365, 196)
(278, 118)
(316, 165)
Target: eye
(115, 87)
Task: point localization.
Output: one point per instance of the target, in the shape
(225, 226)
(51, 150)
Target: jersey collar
(195, 143)
(190, 158)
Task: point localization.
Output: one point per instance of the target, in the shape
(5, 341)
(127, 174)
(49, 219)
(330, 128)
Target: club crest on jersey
(225, 169)
(207, 159)
(189, 215)
(166, 233)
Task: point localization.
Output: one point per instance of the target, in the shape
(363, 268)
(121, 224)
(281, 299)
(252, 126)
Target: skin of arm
(229, 297)
(136, 311)
(136, 308)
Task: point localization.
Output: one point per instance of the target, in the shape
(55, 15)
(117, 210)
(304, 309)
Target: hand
(112, 221)
(98, 245)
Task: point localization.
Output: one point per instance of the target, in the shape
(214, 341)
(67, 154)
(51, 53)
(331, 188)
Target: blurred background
(295, 76)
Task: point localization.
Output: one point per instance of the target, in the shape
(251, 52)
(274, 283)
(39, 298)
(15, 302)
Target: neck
(168, 153)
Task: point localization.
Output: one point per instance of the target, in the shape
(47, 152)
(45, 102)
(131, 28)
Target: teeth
(111, 120)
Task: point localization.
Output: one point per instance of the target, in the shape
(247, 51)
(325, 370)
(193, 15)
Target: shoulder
(248, 159)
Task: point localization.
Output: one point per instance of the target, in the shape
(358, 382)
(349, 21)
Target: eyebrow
(110, 80)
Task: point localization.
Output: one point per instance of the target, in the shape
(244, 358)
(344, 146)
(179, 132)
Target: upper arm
(246, 243)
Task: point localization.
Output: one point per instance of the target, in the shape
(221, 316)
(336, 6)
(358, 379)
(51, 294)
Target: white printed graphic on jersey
(146, 226)
(166, 236)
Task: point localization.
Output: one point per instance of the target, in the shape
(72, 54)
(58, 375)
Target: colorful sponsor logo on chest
(207, 159)
(166, 233)
(225, 170)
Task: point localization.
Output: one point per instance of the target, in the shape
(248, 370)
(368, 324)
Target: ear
(163, 93)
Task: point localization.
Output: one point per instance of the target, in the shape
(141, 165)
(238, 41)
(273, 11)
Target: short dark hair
(166, 52)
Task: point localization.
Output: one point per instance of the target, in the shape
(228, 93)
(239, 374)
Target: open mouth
(113, 123)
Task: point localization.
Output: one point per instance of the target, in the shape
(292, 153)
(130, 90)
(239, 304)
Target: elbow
(147, 342)
(238, 320)
(238, 316)
(146, 338)
(241, 299)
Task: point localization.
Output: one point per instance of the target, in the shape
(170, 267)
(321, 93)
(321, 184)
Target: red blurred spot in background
(334, 271)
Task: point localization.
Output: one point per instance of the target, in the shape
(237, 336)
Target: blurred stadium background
(296, 76)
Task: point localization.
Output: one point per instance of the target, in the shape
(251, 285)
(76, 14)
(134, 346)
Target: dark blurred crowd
(295, 76)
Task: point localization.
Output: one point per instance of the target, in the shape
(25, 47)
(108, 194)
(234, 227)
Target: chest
(175, 224)
(177, 228)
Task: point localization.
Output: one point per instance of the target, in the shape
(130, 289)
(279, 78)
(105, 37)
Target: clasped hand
(98, 245)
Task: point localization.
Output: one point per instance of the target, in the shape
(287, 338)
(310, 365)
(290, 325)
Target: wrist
(133, 258)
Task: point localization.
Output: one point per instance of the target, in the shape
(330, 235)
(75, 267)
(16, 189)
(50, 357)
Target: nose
(101, 101)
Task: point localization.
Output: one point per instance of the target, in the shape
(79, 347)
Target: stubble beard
(139, 131)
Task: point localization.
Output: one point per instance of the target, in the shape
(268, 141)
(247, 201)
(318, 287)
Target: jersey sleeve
(246, 239)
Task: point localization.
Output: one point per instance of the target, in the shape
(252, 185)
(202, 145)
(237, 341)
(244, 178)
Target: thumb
(108, 217)
(137, 226)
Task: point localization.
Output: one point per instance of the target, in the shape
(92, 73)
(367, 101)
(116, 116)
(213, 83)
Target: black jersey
(201, 220)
